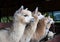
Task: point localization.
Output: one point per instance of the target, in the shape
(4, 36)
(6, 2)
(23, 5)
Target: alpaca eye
(38, 14)
(25, 15)
(50, 20)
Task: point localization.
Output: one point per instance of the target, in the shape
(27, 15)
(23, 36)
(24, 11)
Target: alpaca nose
(53, 22)
(32, 20)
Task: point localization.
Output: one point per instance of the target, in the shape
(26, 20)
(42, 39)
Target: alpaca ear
(36, 10)
(21, 8)
(26, 9)
(45, 14)
(48, 16)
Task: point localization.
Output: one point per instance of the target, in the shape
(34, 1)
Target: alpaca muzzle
(32, 20)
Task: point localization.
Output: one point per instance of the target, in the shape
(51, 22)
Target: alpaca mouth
(53, 23)
(32, 20)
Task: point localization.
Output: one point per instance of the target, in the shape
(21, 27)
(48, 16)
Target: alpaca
(21, 19)
(55, 39)
(31, 28)
(50, 35)
(42, 29)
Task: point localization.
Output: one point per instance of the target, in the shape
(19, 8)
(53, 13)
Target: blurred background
(50, 7)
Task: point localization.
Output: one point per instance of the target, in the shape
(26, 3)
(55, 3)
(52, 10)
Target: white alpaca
(29, 31)
(21, 18)
(50, 21)
(50, 35)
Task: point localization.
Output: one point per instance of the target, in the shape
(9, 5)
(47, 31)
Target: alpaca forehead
(26, 12)
(39, 13)
(51, 19)
(46, 18)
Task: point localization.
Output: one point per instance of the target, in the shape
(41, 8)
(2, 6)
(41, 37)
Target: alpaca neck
(29, 31)
(17, 32)
(47, 28)
(49, 25)
(41, 26)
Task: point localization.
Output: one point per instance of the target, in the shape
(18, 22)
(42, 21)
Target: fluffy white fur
(17, 29)
(50, 35)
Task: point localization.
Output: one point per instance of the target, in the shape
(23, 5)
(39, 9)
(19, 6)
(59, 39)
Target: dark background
(8, 7)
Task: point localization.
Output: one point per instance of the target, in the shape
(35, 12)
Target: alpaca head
(23, 15)
(50, 20)
(50, 35)
(38, 14)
